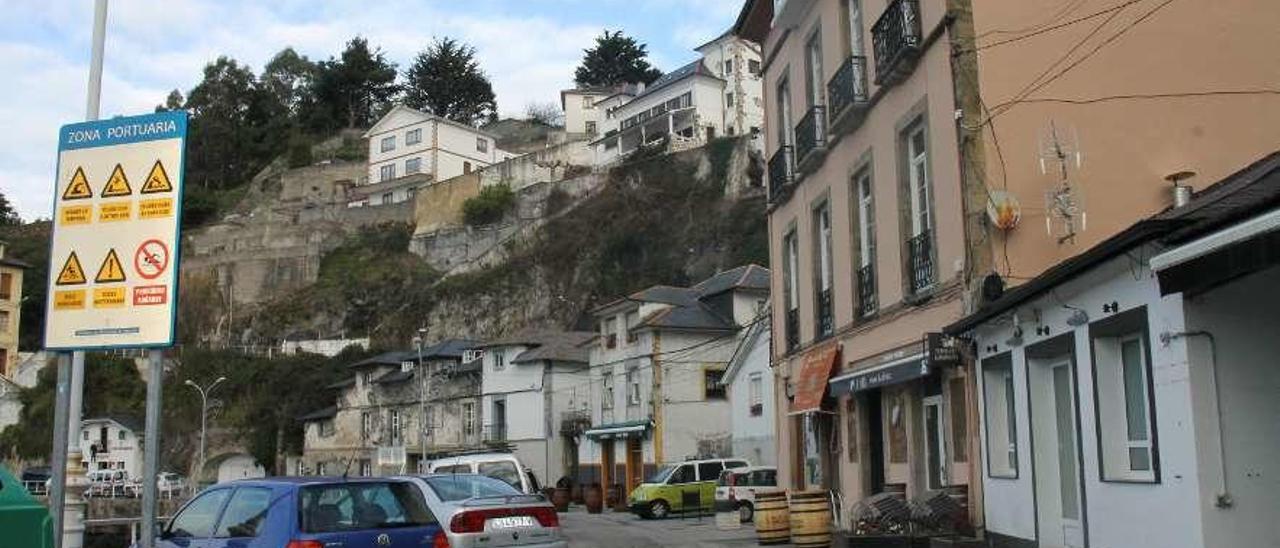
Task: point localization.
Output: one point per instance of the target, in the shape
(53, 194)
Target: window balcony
(847, 93)
(867, 301)
(897, 41)
(793, 329)
(782, 172)
(811, 139)
(826, 325)
(920, 255)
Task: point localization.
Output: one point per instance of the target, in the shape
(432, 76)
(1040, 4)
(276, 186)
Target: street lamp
(204, 416)
(418, 341)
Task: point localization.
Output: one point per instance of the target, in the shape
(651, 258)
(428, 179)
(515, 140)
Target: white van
(498, 465)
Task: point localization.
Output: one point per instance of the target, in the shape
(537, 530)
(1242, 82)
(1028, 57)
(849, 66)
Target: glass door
(1064, 418)
(935, 446)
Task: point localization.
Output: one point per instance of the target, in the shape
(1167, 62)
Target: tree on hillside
(446, 80)
(221, 130)
(546, 113)
(173, 102)
(288, 77)
(8, 215)
(615, 59)
(354, 89)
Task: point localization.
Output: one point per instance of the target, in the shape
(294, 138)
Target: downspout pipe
(1222, 499)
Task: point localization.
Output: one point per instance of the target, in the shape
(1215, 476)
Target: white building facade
(407, 142)
(737, 62)
(112, 443)
(749, 382)
(1128, 396)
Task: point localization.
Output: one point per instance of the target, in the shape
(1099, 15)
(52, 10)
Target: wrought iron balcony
(811, 138)
(920, 251)
(826, 324)
(867, 302)
(847, 93)
(793, 329)
(897, 41)
(782, 172)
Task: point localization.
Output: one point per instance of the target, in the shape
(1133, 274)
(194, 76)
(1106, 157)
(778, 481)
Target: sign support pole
(57, 489)
(151, 449)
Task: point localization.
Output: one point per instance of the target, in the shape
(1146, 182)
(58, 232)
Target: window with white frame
(413, 137)
(791, 256)
(755, 390)
(753, 66)
(387, 172)
(917, 162)
(813, 68)
(388, 143)
(728, 67)
(499, 359)
(1122, 391)
(866, 218)
(393, 422)
(482, 144)
(366, 425)
(588, 101)
(856, 34)
(606, 401)
(785, 136)
(1000, 416)
(468, 419)
(823, 265)
(633, 387)
(728, 99)
(413, 165)
(609, 333)
(632, 320)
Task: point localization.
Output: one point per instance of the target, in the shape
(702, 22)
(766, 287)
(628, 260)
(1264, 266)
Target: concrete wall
(439, 205)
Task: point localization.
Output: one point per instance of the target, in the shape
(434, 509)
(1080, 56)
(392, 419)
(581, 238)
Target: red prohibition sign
(151, 259)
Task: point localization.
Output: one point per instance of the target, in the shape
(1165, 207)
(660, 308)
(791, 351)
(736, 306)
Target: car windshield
(662, 474)
(460, 487)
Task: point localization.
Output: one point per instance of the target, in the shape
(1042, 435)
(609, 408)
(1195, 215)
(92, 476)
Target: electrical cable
(1054, 27)
(1071, 5)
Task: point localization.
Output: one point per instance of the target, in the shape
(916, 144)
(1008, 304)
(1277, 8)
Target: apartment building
(656, 386)
(10, 311)
(112, 443)
(409, 148)
(584, 112)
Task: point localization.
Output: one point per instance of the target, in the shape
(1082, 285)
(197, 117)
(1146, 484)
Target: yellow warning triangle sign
(117, 185)
(110, 271)
(79, 187)
(157, 180)
(71, 273)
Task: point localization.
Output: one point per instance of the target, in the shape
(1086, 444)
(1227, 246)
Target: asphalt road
(621, 530)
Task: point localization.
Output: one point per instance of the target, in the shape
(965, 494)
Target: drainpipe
(1222, 499)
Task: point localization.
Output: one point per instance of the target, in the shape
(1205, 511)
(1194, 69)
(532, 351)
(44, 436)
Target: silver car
(480, 511)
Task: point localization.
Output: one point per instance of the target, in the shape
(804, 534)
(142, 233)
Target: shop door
(875, 441)
(934, 444)
(606, 464)
(1057, 475)
(635, 463)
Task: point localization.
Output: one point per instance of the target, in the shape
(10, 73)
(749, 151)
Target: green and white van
(672, 485)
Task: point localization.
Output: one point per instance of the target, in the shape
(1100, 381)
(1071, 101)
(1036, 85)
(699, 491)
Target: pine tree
(615, 59)
(446, 80)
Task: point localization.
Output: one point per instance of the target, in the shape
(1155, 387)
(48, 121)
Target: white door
(935, 447)
(1056, 449)
(1064, 411)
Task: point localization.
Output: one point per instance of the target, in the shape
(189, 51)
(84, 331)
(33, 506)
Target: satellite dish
(1003, 209)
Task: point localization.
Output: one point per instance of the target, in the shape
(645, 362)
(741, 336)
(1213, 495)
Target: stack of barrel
(805, 523)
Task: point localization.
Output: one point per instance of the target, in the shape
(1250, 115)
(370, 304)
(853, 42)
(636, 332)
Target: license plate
(511, 522)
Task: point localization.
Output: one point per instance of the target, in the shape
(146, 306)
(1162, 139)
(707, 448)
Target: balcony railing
(811, 137)
(575, 422)
(825, 322)
(782, 171)
(793, 329)
(920, 251)
(495, 433)
(897, 41)
(847, 94)
(867, 302)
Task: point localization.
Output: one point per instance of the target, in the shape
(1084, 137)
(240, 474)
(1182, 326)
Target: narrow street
(619, 530)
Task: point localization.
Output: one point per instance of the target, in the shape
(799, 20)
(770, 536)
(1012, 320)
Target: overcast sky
(528, 47)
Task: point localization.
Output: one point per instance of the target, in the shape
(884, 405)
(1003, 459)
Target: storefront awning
(896, 371)
(811, 383)
(1229, 253)
(619, 430)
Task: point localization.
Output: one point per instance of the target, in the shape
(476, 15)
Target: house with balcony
(409, 149)
(656, 389)
(395, 410)
(112, 443)
(716, 95)
(10, 311)
(529, 383)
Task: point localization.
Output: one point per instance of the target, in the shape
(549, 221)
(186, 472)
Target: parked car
(36, 479)
(305, 512)
(170, 484)
(667, 490)
(480, 511)
(109, 483)
(498, 465)
(736, 489)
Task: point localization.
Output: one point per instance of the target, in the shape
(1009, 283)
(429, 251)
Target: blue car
(306, 512)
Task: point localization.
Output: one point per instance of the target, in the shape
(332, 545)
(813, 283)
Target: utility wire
(1052, 28)
(1061, 13)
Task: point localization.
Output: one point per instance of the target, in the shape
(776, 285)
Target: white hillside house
(409, 148)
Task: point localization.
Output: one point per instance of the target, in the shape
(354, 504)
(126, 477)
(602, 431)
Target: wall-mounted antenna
(1064, 202)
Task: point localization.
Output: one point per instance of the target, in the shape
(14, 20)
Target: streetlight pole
(204, 417)
(418, 341)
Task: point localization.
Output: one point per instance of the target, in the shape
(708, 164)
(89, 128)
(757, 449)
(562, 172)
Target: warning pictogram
(151, 259)
(79, 187)
(157, 180)
(71, 273)
(117, 185)
(111, 270)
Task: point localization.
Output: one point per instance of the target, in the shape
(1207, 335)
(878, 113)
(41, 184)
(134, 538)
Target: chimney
(1181, 193)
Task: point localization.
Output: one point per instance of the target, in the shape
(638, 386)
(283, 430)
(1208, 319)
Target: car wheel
(659, 509)
(745, 512)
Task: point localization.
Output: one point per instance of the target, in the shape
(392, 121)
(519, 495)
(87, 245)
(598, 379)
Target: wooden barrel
(773, 524)
(810, 519)
(560, 498)
(595, 499)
